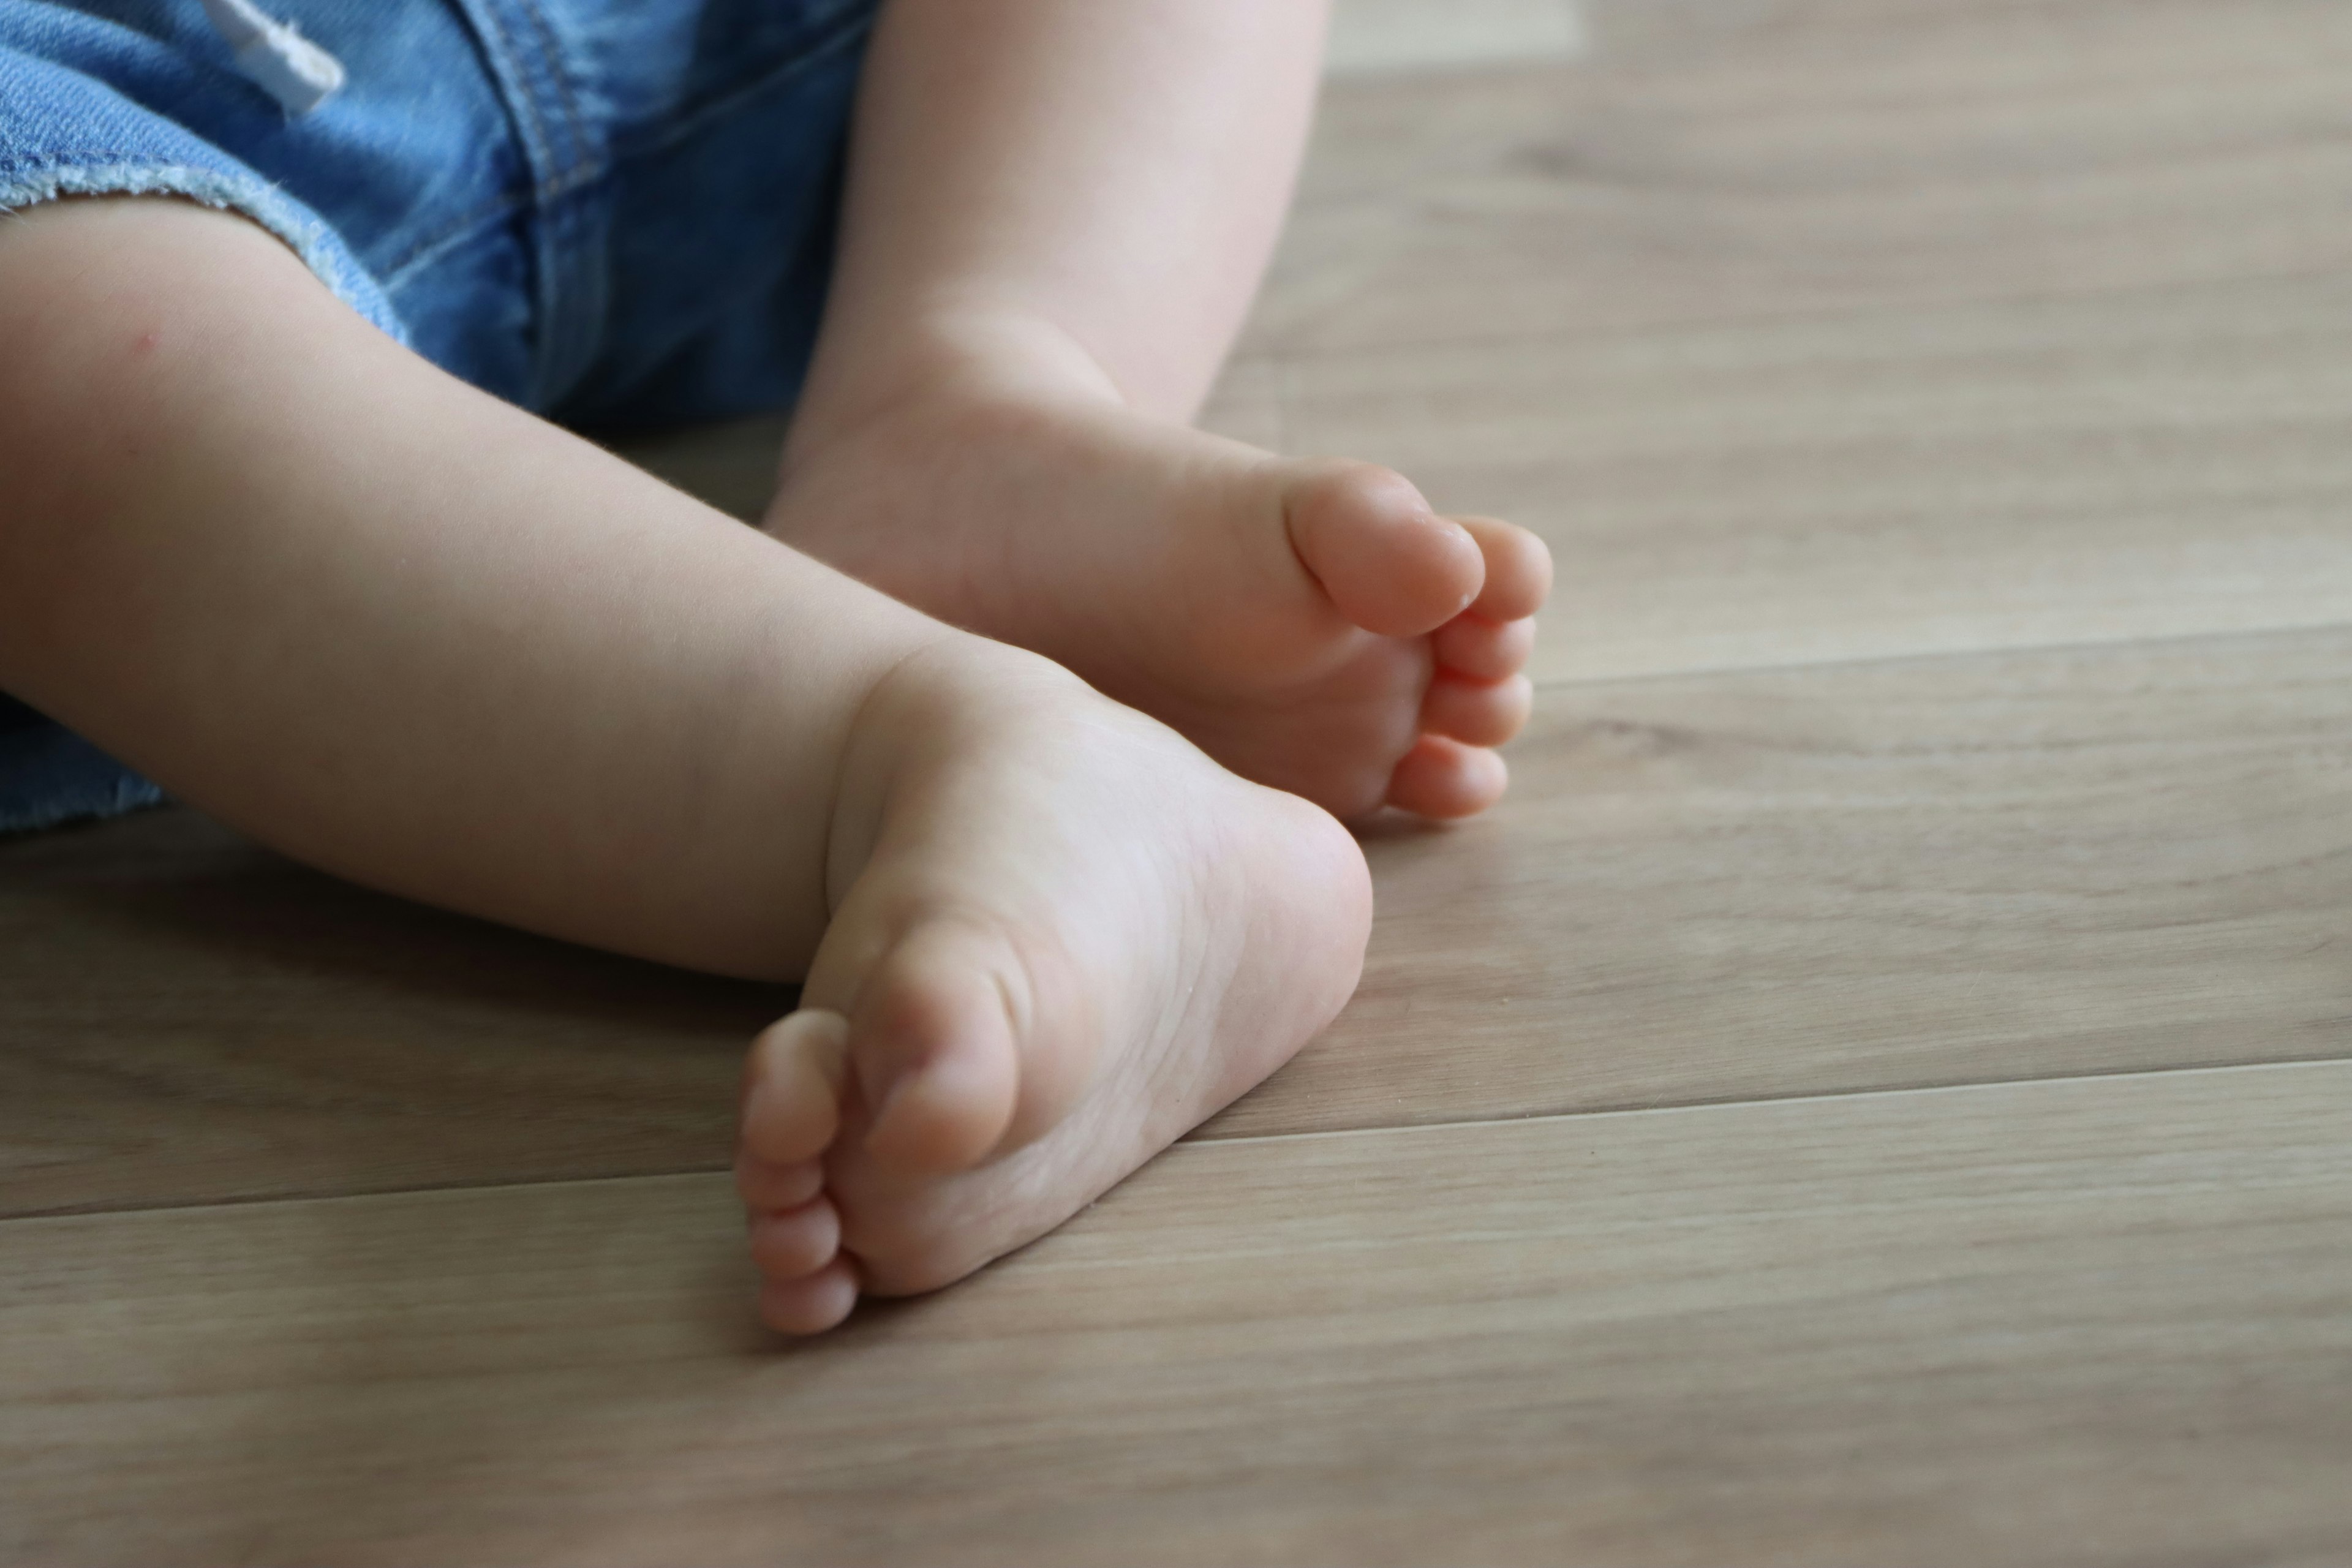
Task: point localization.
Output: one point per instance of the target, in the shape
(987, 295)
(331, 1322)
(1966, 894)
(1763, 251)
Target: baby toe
(768, 1189)
(1443, 778)
(1517, 569)
(812, 1303)
(798, 1242)
(1478, 712)
(1389, 563)
(1483, 649)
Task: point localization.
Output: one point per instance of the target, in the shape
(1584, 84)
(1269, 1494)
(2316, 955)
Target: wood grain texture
(1846, 329)
(2162, 464)
(1764, 884)
(1906, 873)
(2081, 1322)
(1617, 1220)
(1758, 159)
(1384, 37)
(184, 1018)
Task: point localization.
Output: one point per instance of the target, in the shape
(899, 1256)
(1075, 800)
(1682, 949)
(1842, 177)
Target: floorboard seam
(2088, 644)
(1950, 1087)
(1959, 1086)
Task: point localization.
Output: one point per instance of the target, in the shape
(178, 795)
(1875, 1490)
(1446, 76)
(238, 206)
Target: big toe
(792, 1092)
(934, 1048)
(1389, 563)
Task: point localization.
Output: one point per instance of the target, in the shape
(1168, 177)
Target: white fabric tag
(275, 56)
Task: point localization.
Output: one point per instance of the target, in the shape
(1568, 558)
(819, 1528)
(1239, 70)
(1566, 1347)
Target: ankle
(966, 353)
(929, 713)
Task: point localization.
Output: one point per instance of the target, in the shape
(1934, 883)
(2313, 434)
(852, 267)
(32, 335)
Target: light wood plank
(1872, 876)
(2082, 1323)
(1807, 331)
(184, 1018)
(2162, 464)
(1732, 162)
(1764, 884)
(1377, 38)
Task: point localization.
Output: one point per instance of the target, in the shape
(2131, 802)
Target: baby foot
(1311, 624)
(1063, 939)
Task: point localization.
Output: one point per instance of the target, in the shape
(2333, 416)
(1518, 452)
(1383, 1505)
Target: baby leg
(416, 636)
(1057, 213)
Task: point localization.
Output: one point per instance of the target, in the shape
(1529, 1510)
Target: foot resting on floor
(1064, 939)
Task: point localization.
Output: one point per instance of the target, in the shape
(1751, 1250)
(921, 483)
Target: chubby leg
(1058, 210)
(419, 638)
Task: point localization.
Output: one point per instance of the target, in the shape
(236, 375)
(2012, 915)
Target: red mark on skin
(146, 343)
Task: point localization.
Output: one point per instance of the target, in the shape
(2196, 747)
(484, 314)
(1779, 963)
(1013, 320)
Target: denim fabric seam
(557, 170)
(850, 28)
(455, 232)
(531, 74)
(588, 158)
(522, 106)
(536, 132)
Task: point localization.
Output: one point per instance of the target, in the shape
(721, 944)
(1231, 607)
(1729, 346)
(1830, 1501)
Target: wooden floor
(1880, 1091)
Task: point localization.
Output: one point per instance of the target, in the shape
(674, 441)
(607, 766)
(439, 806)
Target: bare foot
(1062, 938)
(1311, 624)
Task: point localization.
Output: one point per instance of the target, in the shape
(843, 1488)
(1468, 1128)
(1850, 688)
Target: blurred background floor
(1877, 1091)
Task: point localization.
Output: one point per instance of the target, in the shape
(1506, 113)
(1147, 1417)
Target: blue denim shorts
(614, 212)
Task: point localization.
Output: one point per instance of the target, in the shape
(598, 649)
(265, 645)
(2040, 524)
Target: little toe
(792, 1087)
(812, 1303)
(1443, 778)
(1517, 569)
(1482, 649)
(1478, 712)
(934, 1053)
(1389, 563)
(798, 1242)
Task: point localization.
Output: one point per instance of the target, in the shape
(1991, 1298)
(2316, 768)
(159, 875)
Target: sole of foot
(1063, 938)
(1312, 625)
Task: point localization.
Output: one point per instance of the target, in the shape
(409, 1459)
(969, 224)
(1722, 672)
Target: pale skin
(422, 639)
